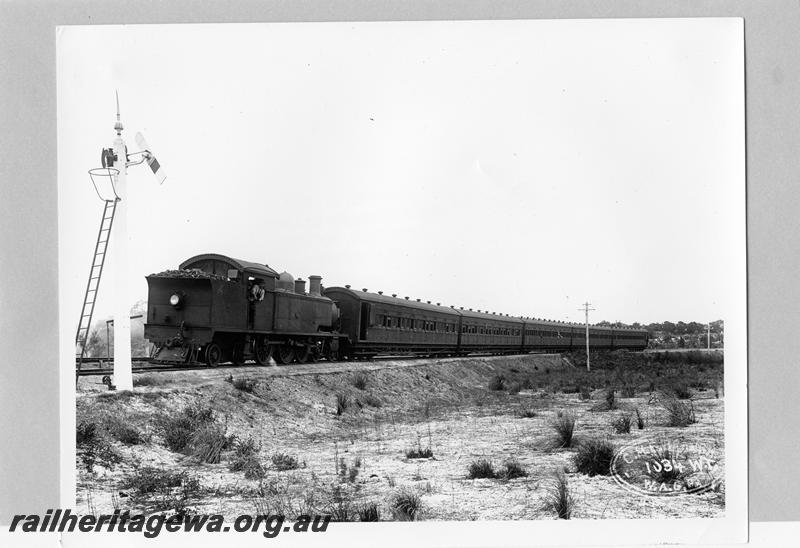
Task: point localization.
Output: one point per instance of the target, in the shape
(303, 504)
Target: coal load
(194, 274)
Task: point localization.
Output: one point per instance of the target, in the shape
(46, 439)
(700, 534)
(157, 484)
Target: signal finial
(118, 126)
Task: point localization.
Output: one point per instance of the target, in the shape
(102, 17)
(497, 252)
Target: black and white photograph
(482, 276)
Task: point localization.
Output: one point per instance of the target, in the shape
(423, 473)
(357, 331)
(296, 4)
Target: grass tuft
(369, 512)
(245, 458)
(360, 380)
(527, 413)
(679, 413)
(284, 461)
(342, 403)
(622, 424)
(148, 380)
(497, 382)
(419, 453)
(594, 457)
(179, 428)
(557, 498)
(512, 470)
(639, 420)
(245, 384)
(208, 441)
(371, 400)
(122, 430)
(406, 505)
(661, 464)
(564, 426)
(481, 469)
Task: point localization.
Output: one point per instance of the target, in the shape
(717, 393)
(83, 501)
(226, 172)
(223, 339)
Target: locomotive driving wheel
(284, 354)
(263, 352)
(237, 355)
(302, 354)
(213, 354)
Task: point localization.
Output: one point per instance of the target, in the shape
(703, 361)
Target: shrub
(622, 425)
(179, 429)
(527, 384)
(360, 380)
(369, 512)
(585, 393)
(283, 461)
(481, 468)
(342, 402)
(497, 382)
(371, 400)
(512, 470)
(122, 430)
(245, 456)
(557, 498)
(171, 490)
(149, 480)
(340, 506)
(253, 469)
(94, 448)
(676, 387)
(245, 384)
(527, 412)
(406, 505)
(85, 433)
(628, 391)
(148, 380)
(208, 441)
(564, 426)
(679, 413)
(594, 457)
(419, 453)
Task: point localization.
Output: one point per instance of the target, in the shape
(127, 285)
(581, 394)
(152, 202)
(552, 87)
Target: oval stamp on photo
(668, 467)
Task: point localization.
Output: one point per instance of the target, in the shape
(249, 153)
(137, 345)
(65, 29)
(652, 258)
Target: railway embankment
(233, 440)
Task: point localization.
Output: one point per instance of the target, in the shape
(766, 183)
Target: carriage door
(365, 310)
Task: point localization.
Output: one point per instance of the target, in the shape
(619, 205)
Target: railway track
(177, 368)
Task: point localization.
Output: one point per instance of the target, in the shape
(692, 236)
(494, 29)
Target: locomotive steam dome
(285, 282)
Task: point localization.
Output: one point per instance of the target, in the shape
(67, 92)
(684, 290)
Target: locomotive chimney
(300, 287)
(315, 285)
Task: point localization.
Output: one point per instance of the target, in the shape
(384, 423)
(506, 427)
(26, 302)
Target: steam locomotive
(217, 309)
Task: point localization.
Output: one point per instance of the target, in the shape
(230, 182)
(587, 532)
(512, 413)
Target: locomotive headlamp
(176, 300)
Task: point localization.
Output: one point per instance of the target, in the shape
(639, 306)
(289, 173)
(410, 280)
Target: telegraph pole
(586, 309)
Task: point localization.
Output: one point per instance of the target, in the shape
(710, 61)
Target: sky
(521, 167)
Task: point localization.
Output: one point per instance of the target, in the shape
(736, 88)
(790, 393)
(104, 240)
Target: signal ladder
(103, 235)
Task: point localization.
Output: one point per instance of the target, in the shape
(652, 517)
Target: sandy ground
(442, 404)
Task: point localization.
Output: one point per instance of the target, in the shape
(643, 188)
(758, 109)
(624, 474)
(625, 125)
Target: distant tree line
(678, 335)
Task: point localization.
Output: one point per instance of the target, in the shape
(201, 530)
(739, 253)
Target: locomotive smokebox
(300, 287)
(315, 285)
